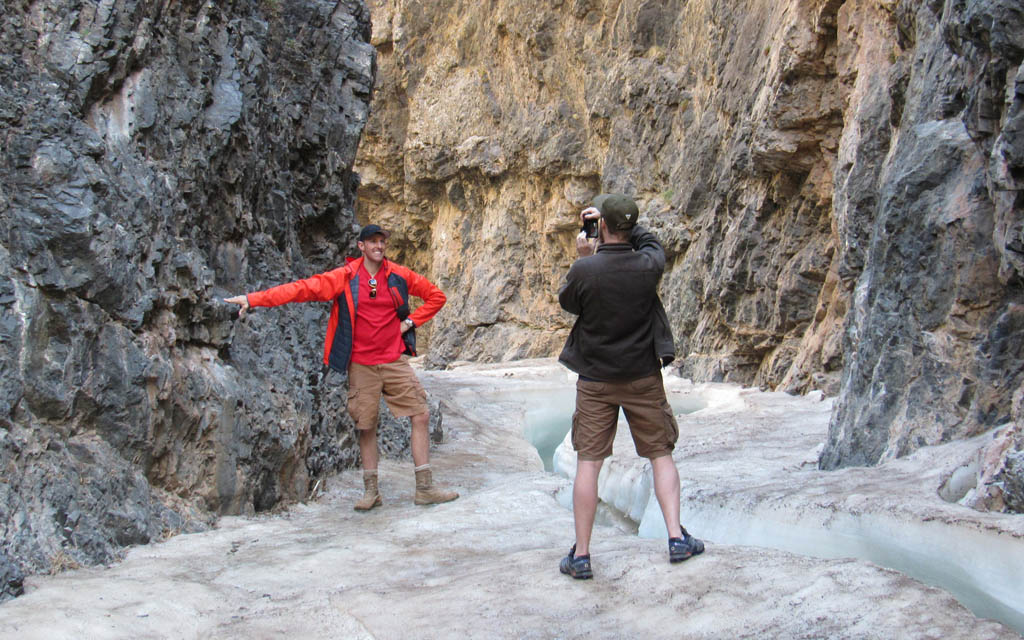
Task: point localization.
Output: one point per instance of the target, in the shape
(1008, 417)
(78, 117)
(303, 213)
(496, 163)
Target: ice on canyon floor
(747, 464)
(485, 565)
(748, 468)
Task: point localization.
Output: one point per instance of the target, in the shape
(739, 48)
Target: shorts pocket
(591, 387)
(362, 408)
(646, 385)
(671, 426)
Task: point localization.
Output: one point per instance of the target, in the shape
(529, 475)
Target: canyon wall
(154, 158)
(837, 185)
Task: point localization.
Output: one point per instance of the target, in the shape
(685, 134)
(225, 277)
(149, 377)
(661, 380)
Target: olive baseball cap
(619, 212)
(372, 230)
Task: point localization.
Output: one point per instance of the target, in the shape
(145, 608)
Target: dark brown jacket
(622, 332)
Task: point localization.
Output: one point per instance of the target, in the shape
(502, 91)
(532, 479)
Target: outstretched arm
(321, 287)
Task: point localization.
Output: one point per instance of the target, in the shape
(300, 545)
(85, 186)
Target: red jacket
(342, 286)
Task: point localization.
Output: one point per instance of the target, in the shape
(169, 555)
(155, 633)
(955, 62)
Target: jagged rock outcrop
(157, 156)
(837, 184)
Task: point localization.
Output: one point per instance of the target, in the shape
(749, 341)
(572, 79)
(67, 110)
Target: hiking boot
(427, 493)
(680, 549)
(577, 567)
(371, 496)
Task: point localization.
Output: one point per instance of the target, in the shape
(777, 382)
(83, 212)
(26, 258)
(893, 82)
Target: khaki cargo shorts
(651, 423)
(396, 381)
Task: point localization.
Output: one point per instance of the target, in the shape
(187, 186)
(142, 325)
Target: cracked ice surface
(485, 565)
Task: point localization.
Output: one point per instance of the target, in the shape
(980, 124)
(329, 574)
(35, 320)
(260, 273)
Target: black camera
(590, 227)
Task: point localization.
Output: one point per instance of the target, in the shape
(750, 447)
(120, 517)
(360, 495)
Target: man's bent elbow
(569, 305)
(438, 300)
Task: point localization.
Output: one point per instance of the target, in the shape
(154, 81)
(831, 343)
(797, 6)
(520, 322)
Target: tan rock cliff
(837, 184)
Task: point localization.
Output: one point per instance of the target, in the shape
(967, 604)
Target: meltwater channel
(548, 415)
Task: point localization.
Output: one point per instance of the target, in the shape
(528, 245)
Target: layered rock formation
(157, 156)
(837, 184)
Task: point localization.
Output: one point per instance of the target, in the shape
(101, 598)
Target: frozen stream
(782, 502)
(485, 565)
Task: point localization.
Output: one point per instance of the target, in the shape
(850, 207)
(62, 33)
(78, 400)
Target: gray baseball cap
(618, 211)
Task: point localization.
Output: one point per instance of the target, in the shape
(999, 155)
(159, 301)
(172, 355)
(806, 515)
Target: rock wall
(934, 343)
(155, 157)
(837, 184)
(494, 123)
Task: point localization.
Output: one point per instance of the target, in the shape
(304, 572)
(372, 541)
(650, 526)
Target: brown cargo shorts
(396, 381)
(651, 423)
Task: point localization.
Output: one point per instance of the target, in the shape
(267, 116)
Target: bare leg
(584, 502)
(368, 448)
(420, 439)
(666, 489)
(426, 491)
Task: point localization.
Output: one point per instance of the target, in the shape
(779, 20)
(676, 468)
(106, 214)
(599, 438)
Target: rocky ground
(485, 565)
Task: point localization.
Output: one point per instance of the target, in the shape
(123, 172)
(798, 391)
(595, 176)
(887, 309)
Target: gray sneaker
(578, 568)
(680, 549)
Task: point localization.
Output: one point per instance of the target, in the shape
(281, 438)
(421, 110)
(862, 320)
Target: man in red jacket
(370, 336)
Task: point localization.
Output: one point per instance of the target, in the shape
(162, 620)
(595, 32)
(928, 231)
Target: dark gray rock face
(934, 345)
(154, 158)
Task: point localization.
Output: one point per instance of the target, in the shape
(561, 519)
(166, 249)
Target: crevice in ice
(607, 515)
(971, 565)
(975, 567)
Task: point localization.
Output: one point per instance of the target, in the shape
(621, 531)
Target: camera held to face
(590, 227)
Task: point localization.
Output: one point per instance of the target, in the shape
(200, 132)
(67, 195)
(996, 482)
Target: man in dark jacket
(618, 345)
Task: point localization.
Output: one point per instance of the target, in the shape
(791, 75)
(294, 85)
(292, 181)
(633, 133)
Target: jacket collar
(615, 247)
(354, 265)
